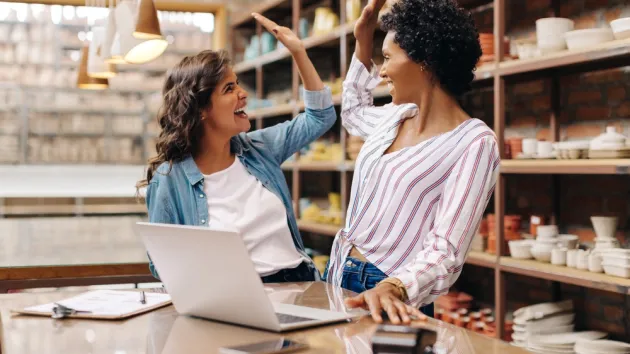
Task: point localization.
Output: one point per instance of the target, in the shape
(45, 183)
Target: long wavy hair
(186, 93)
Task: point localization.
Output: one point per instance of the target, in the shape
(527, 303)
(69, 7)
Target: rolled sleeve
(321, 99)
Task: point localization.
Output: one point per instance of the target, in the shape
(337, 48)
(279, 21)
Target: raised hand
(366, 24)
(283, 34)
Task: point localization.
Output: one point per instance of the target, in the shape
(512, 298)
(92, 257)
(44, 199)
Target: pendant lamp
(134, 50)
(83, 80)
(97, 66)
(111, 39)
(147, 23)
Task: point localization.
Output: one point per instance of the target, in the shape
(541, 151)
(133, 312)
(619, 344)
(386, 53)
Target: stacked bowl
(544, 318)
(546, 240)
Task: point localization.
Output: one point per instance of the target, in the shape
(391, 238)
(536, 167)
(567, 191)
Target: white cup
(545, 149)
(559, 256)
(582, 259)
(595, 263)
(572, 258)
(530, 146)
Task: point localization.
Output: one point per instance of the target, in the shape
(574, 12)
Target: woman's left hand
(385, 297)
(283, 34)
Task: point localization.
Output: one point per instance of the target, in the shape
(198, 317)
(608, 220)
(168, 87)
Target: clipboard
(103, 305)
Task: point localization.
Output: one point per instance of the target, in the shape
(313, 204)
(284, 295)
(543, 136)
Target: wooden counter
(164, 331)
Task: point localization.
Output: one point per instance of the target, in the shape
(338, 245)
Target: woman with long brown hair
(209, 171)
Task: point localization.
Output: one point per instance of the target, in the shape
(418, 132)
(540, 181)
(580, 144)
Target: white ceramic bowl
(621, 28)
(547, 230)
(550, 33)
(587, 38)
(568, 241)
(541, 255)
(521, 249)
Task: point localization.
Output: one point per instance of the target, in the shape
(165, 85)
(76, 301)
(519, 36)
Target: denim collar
(191, 170)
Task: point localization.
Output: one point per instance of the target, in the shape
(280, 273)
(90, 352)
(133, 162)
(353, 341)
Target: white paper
(106, 302)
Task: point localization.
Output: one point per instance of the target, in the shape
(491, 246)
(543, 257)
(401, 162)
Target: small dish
(587, 38)
(621, 28)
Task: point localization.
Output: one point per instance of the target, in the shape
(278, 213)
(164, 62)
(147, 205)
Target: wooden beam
(162, 5)
(219, 36)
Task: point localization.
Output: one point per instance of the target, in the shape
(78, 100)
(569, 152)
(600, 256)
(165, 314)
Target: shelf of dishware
(566, 275)
(481, 259)
(554, 166)
(616, 49)
(339, 166)
(283, 53)
(318, 228)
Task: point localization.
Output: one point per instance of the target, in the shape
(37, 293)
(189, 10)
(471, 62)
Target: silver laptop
(209, 274)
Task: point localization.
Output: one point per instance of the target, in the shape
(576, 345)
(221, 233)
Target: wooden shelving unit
(567, 275)
(584, 166)
(318, 228)
(498, 74)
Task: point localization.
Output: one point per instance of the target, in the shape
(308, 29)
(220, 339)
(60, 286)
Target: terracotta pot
(486, 312)
(439, 314)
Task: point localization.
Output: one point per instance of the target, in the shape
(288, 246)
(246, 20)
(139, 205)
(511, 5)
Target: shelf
(481, 259)
(283, 109)
(617, 49)
(323, 229)
(66, 110)
(553, 166)
(325, 166)
(567, 275)
(112, 209)
(283, 53)
(260, 8)
(274, 111)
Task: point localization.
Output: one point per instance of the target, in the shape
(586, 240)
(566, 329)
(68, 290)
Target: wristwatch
(399, 285)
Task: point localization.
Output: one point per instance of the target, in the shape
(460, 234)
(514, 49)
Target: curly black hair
(439, 34)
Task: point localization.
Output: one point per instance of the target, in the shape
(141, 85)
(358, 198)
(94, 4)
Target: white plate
(565, 338)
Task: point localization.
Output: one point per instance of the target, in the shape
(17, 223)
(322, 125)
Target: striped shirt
(412, 212)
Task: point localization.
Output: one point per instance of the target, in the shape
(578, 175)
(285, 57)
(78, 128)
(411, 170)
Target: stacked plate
(602, 346)
(544, 318)
(560, 343)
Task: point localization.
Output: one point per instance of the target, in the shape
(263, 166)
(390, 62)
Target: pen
(143, 299)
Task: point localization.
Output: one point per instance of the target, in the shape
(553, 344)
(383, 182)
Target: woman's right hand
(364, 30)
(283, 34)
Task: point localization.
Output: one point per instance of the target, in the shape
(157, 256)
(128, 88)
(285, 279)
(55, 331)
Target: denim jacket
(177, 196)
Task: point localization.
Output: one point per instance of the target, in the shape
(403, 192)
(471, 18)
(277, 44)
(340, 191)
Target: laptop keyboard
(288, 319)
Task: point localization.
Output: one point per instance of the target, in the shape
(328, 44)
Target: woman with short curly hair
(209, 171)
(426, 171)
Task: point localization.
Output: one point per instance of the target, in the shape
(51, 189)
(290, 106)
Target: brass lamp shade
(147, 23)
(83, 80)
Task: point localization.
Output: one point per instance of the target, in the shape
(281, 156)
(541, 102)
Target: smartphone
(269, 347)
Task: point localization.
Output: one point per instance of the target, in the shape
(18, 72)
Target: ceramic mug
(595, 263)
(530, 146)
(572, 258)
(544, 149)
(559, 256)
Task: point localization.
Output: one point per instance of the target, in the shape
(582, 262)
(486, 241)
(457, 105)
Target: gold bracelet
(399, 285)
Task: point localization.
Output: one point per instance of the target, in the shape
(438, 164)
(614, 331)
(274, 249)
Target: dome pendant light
(83, 80)
(97, 66)
(147, 23)
(112, 40)
(132, 49)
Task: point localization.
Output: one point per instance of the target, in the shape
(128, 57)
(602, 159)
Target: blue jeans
(298, 274)
(361, 276)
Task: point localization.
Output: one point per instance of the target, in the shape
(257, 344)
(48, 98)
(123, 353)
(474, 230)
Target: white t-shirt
(238, 201)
